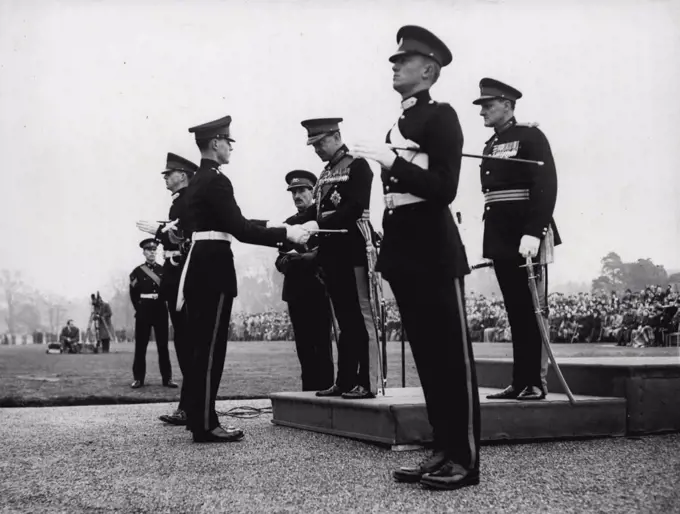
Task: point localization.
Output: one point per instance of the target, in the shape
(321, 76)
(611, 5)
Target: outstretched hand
(150, 227)
(382, 153)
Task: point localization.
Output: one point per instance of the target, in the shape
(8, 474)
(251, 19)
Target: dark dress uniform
(150, 311)
(212, 217)
(342, 197)
(309, 309)
(519, 200)
(172, 271)
(423, 259)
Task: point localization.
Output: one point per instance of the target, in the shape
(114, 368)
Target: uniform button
(390, 211)
(486, 190)
(402, 117)
(387, 188)
(488, 208)
(394, 179)
(488, 173)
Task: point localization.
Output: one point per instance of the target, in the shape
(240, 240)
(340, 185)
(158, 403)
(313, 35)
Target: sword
(545, 338)
(328, 230)
(475, 156)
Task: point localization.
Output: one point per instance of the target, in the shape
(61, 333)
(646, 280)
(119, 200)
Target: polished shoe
(428, 465)
(450, 476)
(358, 393)
(531, 393)
(509, 393)
(137, 384)
(170, 384)
(333, 390)
(178, 417)
(219, 435)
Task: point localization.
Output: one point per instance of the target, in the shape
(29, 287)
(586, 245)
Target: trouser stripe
(468, 374)
(208, 375)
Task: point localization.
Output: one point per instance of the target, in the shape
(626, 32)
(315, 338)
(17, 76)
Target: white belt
(394, 200)
(149, 296)
(211, 235)
(171, 253)
(507, 195)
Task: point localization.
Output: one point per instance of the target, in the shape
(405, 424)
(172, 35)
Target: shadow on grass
(73, 401)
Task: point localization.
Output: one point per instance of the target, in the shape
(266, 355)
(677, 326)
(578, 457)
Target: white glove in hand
(275, 224)
(528, 246)
(312, 226)
(380, 153)
(297, 234)
(148, 226)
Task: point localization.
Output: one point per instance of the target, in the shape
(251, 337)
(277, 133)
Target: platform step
(649, 385)
(400, 417)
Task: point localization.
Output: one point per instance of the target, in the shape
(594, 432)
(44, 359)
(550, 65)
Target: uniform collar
(510, 123)
(209, 164)
(421, 97)
(337, 156)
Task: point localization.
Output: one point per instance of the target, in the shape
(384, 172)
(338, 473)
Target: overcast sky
(93, 94)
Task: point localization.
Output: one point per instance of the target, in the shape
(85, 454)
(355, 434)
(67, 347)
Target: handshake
(298, 234)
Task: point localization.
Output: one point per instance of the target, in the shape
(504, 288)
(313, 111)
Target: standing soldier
(423, 258)
(305, 293)
(178, 171)
(519, 202)
(209, 279)
(342, 198)
(150, 311)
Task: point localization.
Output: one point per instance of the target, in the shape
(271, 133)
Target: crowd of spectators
(642, 318)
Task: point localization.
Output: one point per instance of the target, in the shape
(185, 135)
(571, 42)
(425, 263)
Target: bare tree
(12, 286)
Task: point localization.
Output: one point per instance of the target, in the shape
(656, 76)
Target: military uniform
(150, 311)
(212, 218)
(172, 240)
(423, 259)
(519, 200)
(308, 303)
(342, 198)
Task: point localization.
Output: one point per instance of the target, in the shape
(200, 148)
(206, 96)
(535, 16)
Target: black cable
(245, 412)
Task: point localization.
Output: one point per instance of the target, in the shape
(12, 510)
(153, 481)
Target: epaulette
(532, 124)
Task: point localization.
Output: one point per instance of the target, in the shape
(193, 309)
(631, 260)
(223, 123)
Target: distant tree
(617, 275)
(13, 287)
(674, 278)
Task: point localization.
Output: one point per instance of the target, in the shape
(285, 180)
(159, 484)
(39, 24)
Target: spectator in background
(69, 336)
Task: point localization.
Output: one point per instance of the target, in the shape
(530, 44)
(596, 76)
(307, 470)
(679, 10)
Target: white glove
(381, 153)
(297, 234)
(148, 226)
(311, 226)
(528, 246)
(275, 224)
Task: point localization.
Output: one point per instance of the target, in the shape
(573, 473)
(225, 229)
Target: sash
(151, 274)
(414, 156)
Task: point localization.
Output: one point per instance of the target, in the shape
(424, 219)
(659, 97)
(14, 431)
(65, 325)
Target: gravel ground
(122, 459)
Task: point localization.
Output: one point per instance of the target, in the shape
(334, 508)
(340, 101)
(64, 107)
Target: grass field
(30, 377)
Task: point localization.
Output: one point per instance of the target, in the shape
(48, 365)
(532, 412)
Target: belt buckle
(389, 201)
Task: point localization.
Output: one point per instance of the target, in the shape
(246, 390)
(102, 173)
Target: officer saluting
(208, 279)
(342, 198)
(519, 203)
(177, 173)
(150, 311)
(305, 292)
(424, 260)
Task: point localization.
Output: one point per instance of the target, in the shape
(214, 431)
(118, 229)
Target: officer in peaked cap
(342, 200)
(305, 293)
(208, 280)
(319, 128)
(417, 40)
(177, 173)
(519, 200)
(490, 89)
(217, 129)
(150, 312)
(423, 258)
